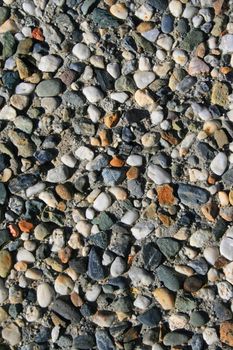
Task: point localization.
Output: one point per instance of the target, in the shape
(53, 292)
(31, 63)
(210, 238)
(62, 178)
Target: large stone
(192, 195)
(49, 88)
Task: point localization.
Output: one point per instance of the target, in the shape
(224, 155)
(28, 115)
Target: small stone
(66, 311)
(158, 174)
(219, 95)
(192, 284)
(197, 66)
(45, 295)
(58, 174)
(95, 268)
(175, 338)
(102, 202)
(81, 51)
(142, 229)
(175, 7)
(185, 303)
(140, 277)
(165, 298)
(119, 10)
(226, 246)
(168, 246)
(49, 63)
(3, 291)
(8, 113)
(63, 285)
(225, 290)
(11, 334)
(219, 164)
(169, 277)
(5, 263)
(192, 39)
(226, 333)
(25, 255)
(103, 318)
(200, 238)
(151, 317)
(143, 79)
(103, 340)
(177, 321)
(93, 94)
(103, 19)
(226, 44)
(210, 336)
(151, 256)
(118, 267)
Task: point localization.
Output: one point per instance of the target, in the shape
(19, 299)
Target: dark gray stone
(84, 342)
(206, 151)
(198, 318)
(192, 39)
(3, 193)
(170, 278)
(104, 221)
(200, 266)
(168, 246)
(197, 342)
(185, 84)
(66, 311)
(99, 162)
(222, 312)
(160, 5)
(175, 338)
(73, 99)
(95, 268)
(22, 182)
(135, 188)
(192, 195)
(227, 178)
(113, 177)
(167, 24)
(103, 340)
(100, 239)
(150, 317)
(103, 19)
(185, 303)
(4, 237)
(151, 257)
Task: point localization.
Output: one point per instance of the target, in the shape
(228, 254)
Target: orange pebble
(21, 266)
(14, 230)
(25, 226)
(132, 173)
(225, 70)
(37, 34)
(117, 162)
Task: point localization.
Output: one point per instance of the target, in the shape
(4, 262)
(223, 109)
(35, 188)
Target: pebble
(142, 229)
(49, 63)
(219, 164)
(158, 175)
(58, 174)
(48, 88)
(81, 51)
(5, 263)
(102, 202)
(93, 94)
(11, 334)
(45, 294)
(143, 79)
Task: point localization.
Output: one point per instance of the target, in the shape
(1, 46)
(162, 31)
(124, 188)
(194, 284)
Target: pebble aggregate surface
(116, 174)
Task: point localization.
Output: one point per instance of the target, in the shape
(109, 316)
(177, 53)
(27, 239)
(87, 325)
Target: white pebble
(26, 256)
(114, 70)
(129, 217)
(8, 113)
(84, 153)
(93, 94)
(49, 63)
(158, 174)
(219, 163)
(118, 267)
(143, 79)
(24, 88)
(102, 202)
(134, 160)
(81, 51)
